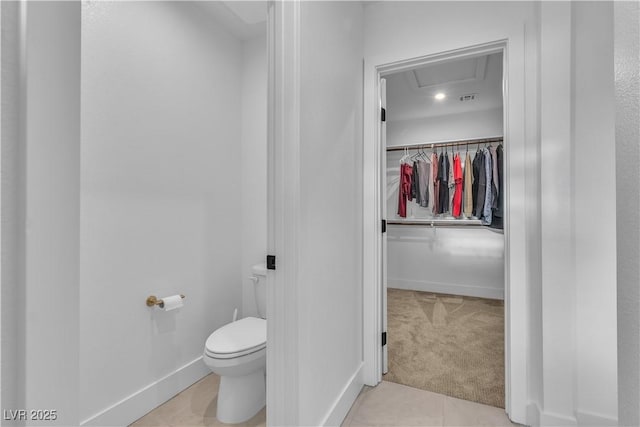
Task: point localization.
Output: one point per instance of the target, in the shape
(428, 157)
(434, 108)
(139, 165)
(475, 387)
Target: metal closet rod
(445, 144)
(438, 222)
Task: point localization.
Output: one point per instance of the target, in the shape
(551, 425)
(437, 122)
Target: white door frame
(382, 138)
(283, 228)
(516, 311)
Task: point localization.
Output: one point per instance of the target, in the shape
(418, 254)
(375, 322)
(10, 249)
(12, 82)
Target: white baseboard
(144, 400)
(592, 419)
(533, 414)
(447, 288)
(551, 419)
(345, 399)
(537, 417)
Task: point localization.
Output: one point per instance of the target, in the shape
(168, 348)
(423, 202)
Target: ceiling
(243, 19)
(410, 94)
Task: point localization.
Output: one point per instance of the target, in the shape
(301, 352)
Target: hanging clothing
(488, 199)
(422, 193)
(457, 195)
(435, 172)
(404, 189)
(414, 183)
(443, 173)
(452, 185)
(495, 185)
(468, 187)
(430, 181)
(497, 220)
(479, 182)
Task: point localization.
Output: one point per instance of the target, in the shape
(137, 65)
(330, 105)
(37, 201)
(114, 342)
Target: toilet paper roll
(172, 302)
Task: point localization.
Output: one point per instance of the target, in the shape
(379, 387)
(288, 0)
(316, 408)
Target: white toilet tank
(259, 271)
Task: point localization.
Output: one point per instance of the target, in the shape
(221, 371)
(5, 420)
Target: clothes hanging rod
(445, 144)
(438, 222)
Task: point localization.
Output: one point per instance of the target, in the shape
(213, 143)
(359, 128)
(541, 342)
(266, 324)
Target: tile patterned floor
(388, 404)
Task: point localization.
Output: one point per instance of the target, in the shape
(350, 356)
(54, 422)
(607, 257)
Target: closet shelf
(437, 222)
(441, 144)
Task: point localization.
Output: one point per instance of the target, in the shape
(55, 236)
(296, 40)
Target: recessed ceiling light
(440, 96)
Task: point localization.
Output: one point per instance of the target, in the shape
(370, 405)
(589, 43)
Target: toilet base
(241, 397)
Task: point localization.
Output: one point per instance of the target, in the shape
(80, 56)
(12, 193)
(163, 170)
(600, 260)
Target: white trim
(446, 288)
(283, 211)
(552, 420)
(384, 241)
(533, 414)
(344, 401)
(134, 406)
(516, 309)
(592, 419)
(2, 173)
(466, 52)
(371, 229)
(538, 417)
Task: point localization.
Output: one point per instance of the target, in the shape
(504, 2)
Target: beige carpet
(447, 344)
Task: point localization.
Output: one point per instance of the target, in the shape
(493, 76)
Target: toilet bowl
(237, 352)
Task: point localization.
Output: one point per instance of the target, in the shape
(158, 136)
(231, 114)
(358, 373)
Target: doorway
(516, 333)
(443, 250)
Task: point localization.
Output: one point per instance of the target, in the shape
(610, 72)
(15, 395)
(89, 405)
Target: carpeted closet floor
(447, 344)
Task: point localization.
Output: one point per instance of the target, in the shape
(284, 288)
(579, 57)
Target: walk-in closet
(444, 206)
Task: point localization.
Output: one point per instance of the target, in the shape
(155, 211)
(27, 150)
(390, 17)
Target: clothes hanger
(422, 153)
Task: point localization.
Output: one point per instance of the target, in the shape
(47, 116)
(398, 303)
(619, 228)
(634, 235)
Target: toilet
(237, 353)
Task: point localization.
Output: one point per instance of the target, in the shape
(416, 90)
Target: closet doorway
(443, 202)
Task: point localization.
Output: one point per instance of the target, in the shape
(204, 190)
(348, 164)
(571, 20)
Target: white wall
(476, 124)
(594, 143)
(468, 261)
(627, 88)
(253, 164)
(578, 259)
(160, 200)
(12, 221)
(558, 251)
(330, 286)
(52, 170)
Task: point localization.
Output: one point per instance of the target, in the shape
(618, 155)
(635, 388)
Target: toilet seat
(237, 339)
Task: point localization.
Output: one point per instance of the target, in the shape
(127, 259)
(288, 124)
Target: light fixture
(440, 96)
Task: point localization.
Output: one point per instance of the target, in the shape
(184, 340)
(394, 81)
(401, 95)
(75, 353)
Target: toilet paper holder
(153, 300)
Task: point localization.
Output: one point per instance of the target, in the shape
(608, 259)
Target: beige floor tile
(390, 404)
(150, 420)
(199, 399)
(188, 418)
(354, 408)
(464, 413)
(162, 415)
(195, 406)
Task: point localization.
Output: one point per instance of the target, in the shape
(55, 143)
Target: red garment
(457, 178)
(404, 189)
